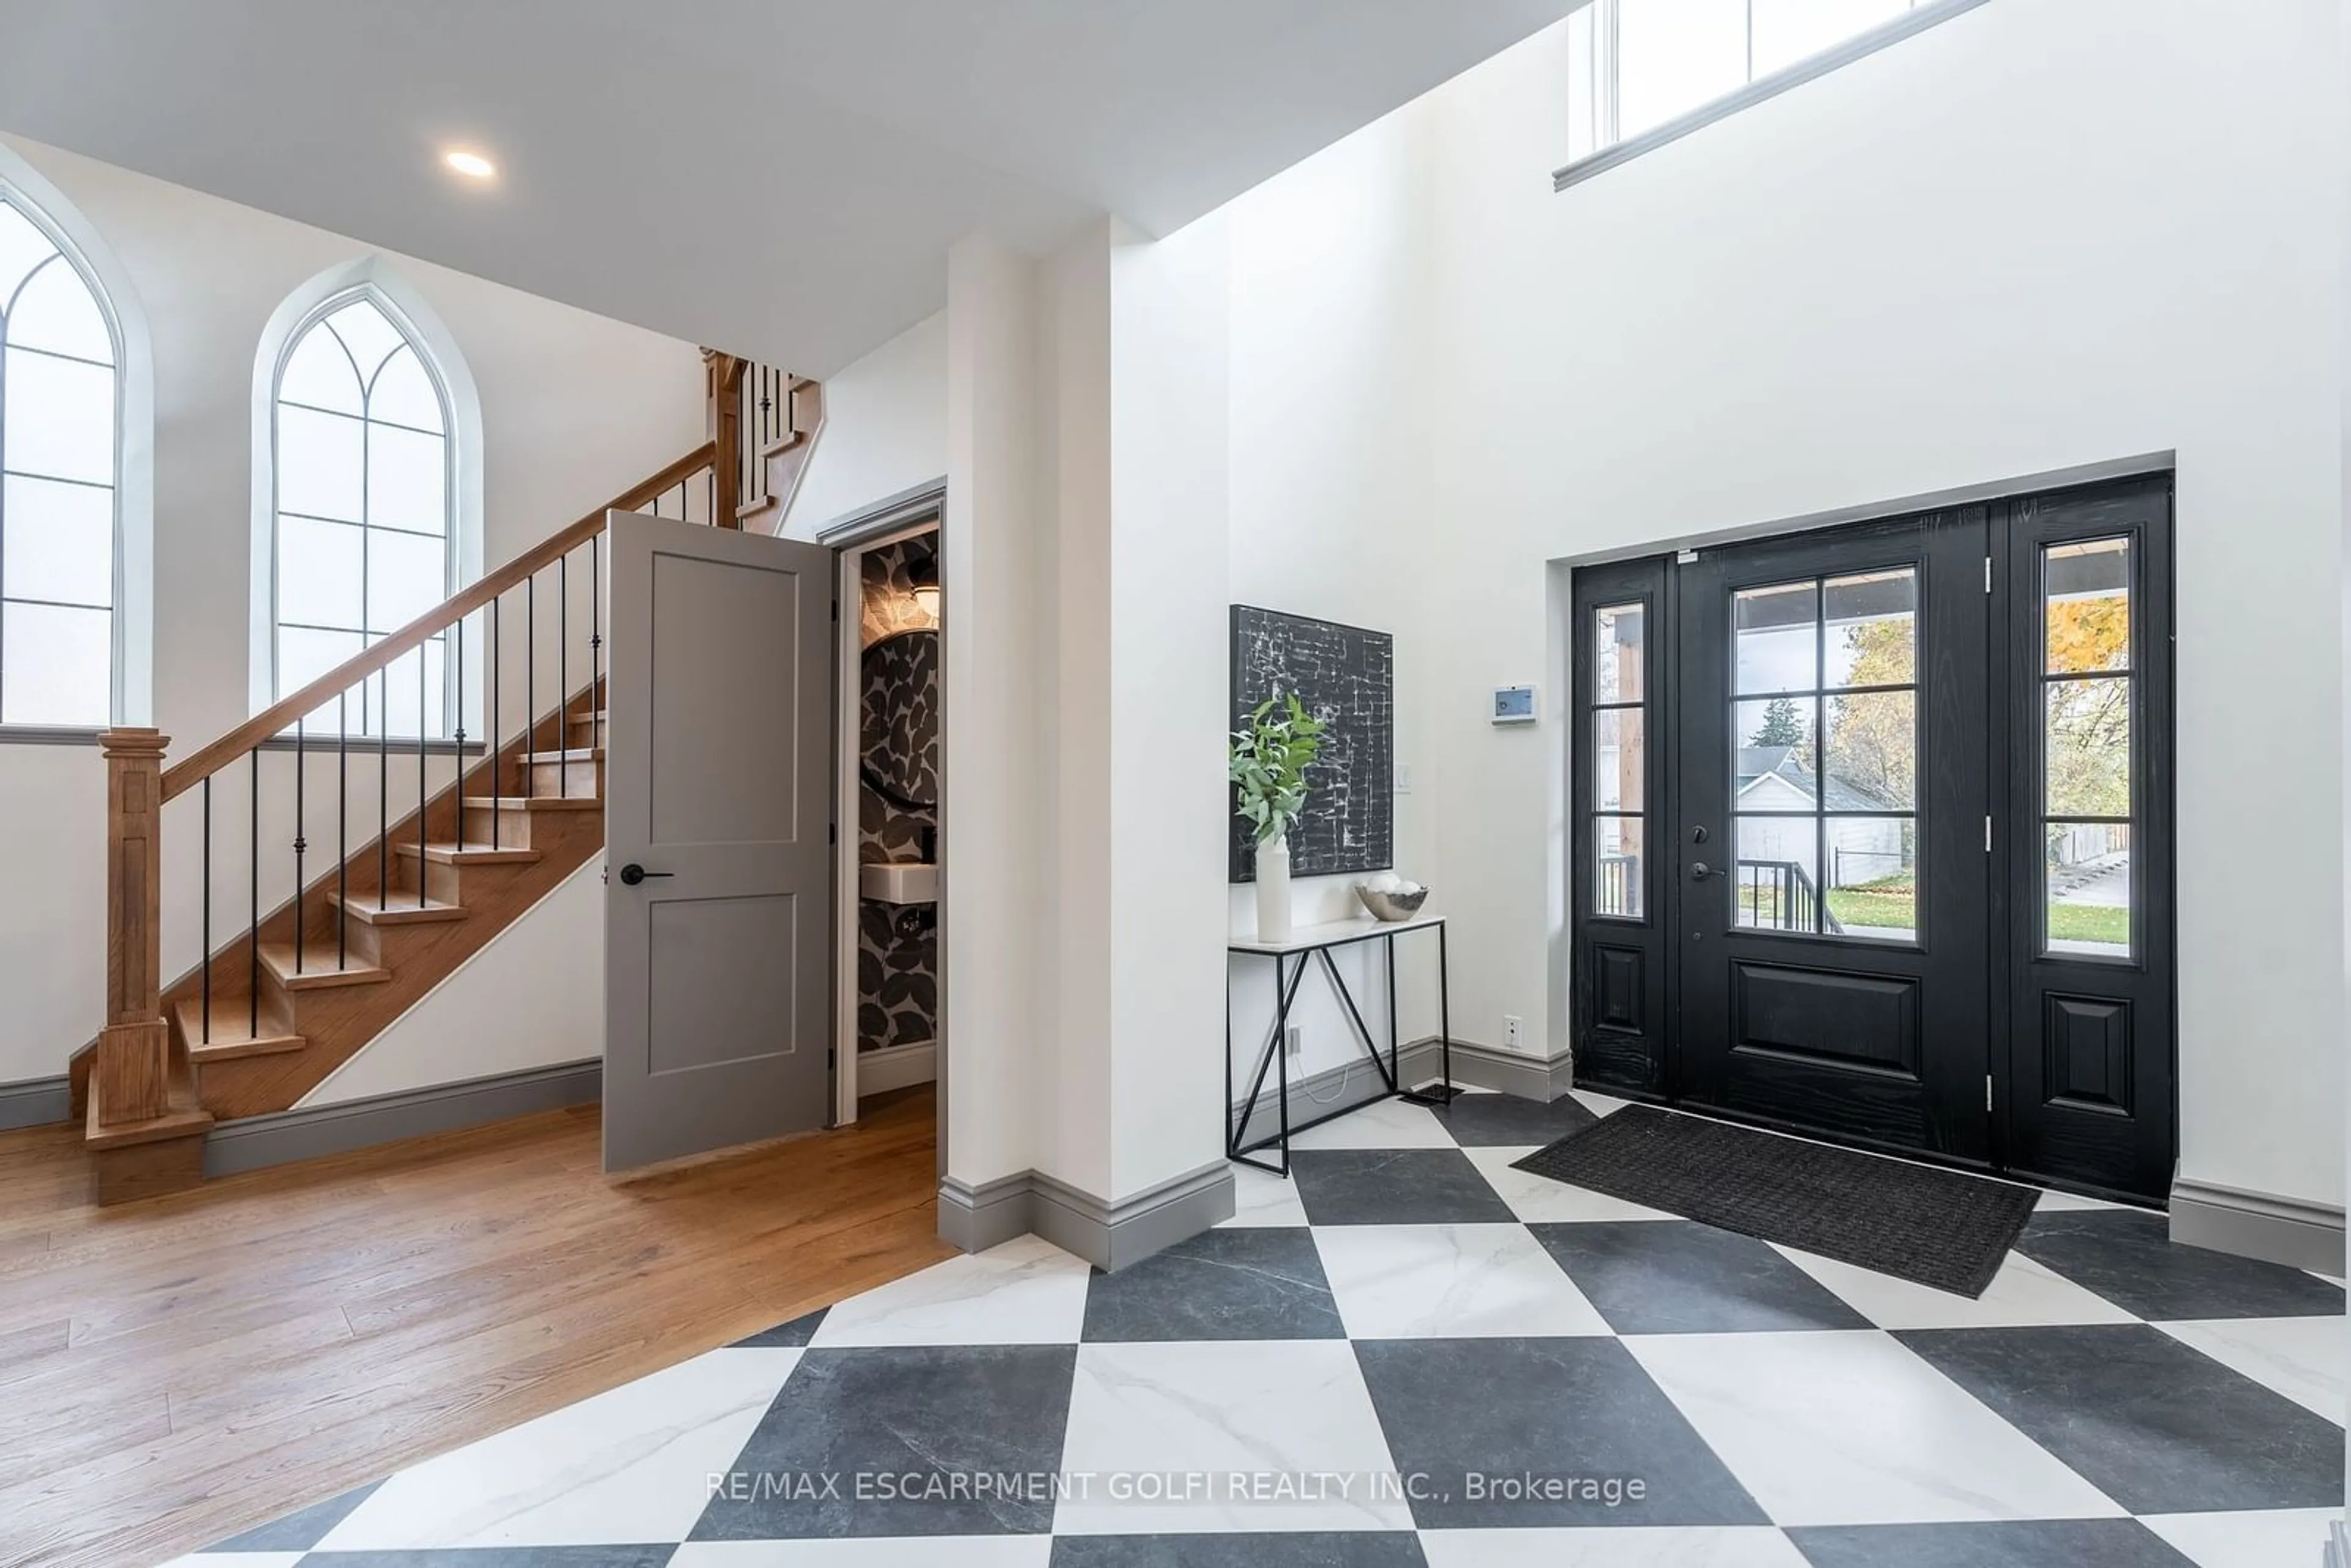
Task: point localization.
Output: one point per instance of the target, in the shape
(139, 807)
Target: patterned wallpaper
(897, 944)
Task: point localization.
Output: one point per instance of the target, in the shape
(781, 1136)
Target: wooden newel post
(132, 1081)
(724, 380)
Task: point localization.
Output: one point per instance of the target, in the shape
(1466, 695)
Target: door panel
(1831, 782)
(718, 789)
(2089, 949)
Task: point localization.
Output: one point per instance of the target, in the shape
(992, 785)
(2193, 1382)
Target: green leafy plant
(1268, 762)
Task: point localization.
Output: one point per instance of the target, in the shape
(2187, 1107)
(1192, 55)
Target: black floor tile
(942, 1414)
(2156, 1425)
(2036, 1543)
(2128, 1257)
(1394, 1187)
(1562, 1415)
(1303, 1550)
(798, 1331)
(1502, 1121)
(301, 1530)
(1249, 1282)
(1677, 1276)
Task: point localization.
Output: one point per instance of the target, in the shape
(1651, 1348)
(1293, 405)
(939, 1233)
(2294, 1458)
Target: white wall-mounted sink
(904, 882)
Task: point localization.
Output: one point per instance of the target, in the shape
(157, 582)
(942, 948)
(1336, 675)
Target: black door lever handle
(633, 873)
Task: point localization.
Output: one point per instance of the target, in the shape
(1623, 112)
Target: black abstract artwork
(1346, 677)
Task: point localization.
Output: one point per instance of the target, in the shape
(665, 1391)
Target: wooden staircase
(359, 935)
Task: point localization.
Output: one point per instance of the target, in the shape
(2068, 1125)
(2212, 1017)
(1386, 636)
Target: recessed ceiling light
(472, 166)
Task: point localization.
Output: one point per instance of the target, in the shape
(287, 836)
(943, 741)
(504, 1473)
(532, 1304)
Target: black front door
(1874, 834)
(1833, 778)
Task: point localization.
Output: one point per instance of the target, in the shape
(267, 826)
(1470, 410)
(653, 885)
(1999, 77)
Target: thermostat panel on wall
(1514, 705)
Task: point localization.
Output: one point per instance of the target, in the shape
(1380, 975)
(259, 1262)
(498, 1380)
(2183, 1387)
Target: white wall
(885, 429)
(2039, 235)
(533, 997)
(575, 408)
(1331, 464)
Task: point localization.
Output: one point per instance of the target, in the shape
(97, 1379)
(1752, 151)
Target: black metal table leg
(1443, 1094)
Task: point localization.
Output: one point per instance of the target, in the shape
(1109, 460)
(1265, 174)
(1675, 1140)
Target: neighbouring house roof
(1757, 763)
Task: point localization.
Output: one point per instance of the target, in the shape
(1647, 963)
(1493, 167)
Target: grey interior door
(718, 818)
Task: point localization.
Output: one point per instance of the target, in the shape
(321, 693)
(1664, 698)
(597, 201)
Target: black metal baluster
(383, 793)
(342, 826)
(300, 843)
(563, 668)
(595, 649)
(205, 952)
(253, 925)
(420, 812)
(530, 683)
(497, 750)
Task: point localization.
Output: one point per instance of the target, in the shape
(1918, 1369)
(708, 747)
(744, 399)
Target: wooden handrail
(191, 770)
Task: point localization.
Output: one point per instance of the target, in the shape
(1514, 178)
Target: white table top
(1303, 938)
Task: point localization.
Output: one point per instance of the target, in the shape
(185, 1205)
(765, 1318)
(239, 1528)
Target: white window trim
(1908, 25)
(374, 278)
(133, 681)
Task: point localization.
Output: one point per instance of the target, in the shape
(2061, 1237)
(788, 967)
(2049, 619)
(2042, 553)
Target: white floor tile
(1599, 1104)
(1260, 1198)
(2055, 1202)
(239, 1560)
(1538, 1199)
(1383, 1125)
(2295, 1538)
(2305, 1359)
(2023, 1295)
(1277, 1414)
(1853, 1429)
(1026, 1291)
(876, 1551)
(630, 1465)
(1603, 1547)
(1451, 1282)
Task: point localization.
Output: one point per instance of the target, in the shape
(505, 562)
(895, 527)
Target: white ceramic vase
(1273, 890)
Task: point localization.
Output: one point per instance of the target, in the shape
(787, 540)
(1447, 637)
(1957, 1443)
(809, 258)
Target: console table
(1304, 947)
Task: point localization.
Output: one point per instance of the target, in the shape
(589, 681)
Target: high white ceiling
(779, 177)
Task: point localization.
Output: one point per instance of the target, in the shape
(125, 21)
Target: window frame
(437, 350)
(41, 207)
(1924, 13)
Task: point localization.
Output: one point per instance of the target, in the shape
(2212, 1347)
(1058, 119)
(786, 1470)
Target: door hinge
(1987, 574)
(1987, 1090)
(828, 1056)
(832, 833)
(1987, 834)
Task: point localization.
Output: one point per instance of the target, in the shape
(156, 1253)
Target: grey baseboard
(1543, 1078)
(1109, 1236)
(35, 1102)
(2256, 1225)
(306, 1132)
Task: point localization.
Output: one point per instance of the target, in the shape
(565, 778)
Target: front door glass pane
(1873, 752)
(1873, 877)
(1776, 878)
(1618, 759)
(1619, 849)
(1775, 633)
(2088, 870)
(1873, 628)
(2086, 619)
(1619, 669)
(2088, 721)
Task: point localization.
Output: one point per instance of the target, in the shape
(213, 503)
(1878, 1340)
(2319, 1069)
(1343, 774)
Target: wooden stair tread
(185, 1118)
(472, 854)
(757, 506)
(401, 909)
(317, 971)
(570, 754)
(535, 802)
(232, 1033)
(783, 444)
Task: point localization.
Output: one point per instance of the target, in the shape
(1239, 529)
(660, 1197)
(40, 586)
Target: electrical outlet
(1294, 1044)
(1510, 1027)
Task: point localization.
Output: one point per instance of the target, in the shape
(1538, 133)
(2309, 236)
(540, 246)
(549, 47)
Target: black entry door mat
(1943, 1229)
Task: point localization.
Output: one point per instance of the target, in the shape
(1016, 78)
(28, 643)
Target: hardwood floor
(175, 1371)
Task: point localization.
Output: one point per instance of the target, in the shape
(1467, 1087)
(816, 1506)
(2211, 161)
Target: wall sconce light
(923, 576)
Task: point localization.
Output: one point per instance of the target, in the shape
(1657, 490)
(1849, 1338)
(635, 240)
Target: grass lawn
(1892, 905)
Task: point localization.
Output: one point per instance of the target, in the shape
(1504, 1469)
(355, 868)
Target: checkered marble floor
(1411, 1354)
